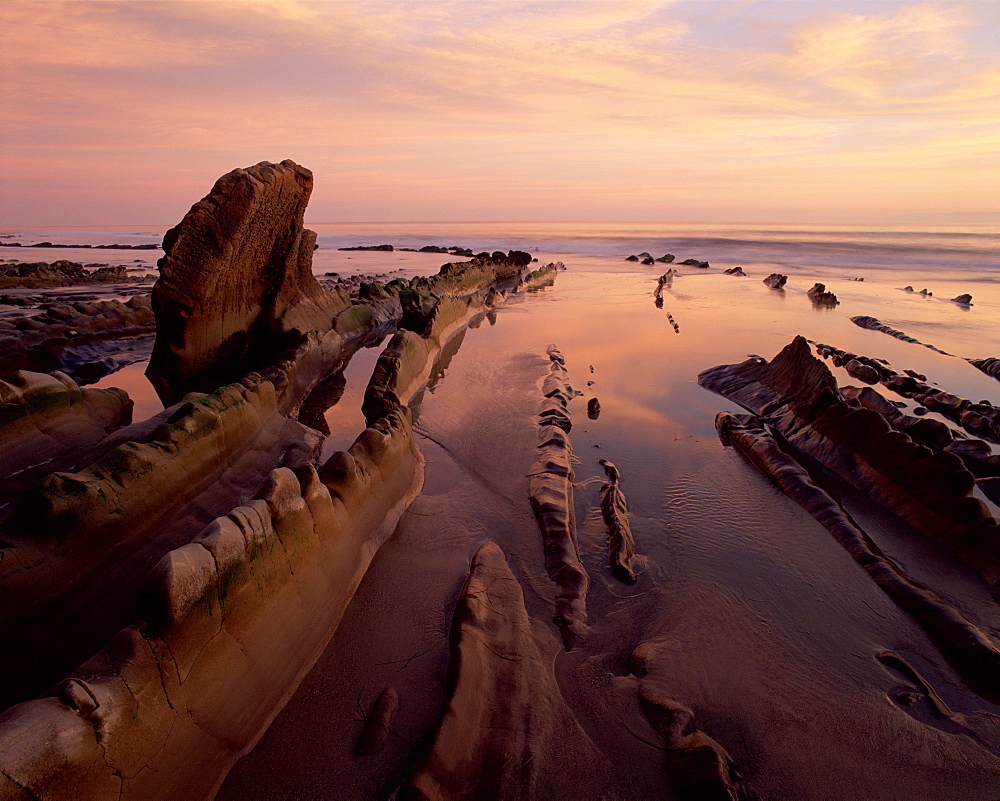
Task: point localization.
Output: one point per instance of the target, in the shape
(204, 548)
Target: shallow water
(766, 626)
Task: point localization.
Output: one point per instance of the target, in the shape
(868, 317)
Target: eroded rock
(776, 281)
(236, 285)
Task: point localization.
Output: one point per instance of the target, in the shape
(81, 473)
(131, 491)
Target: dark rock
(963, 300)
(776, 281)
(821, 297)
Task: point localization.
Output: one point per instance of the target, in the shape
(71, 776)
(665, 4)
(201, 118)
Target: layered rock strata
(49, 340)
(797, 395)
(873, 324)
(78, 546)
(506, 720)
(981, 419)
(614, 510)
(236, 283)
(406, 362)
(989, 366)
(240, 613)
(963, 641)
(47, 421)
(550, 490)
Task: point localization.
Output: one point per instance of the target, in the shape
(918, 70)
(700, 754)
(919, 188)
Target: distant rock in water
(593, 408)
(386, 248)
(735, 271)
(963, 300)
(236, 284)
(695, 263)
(632, 258)
(649, 260)
(821, 297)
(666, 258)
(776, 281)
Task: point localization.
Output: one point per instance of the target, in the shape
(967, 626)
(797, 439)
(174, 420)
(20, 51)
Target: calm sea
(967, 249)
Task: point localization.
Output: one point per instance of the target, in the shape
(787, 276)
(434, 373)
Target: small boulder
(735, 271)
(963, 300)
(821, 297)
(776, 281)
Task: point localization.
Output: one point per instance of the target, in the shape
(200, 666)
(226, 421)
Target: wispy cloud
(552, 109)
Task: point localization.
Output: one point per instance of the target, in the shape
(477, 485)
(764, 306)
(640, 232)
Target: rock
(550, 491)
(236, 285)
(378, 726)
(863, 372)
(695, 263)
(667, 258)
(614, 510)
(632, 258)
(593, 408)
(990, 366)
(776, 281)
(386, 248)
(907, 288)
(821, 297)
(735, 271)
(963, 300)
(964, 642)
(797, 395)
(506, 732)
(648, 260)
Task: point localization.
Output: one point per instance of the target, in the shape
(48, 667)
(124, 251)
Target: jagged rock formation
(223, 614)
(696, 263)
(666, 258)
(614, 510)
(981, 419)
(776, 281)
(963, 641)
(550, 490)
(236, 284)
(505, 720)
(55, 338)
(78, 545)
(873, 324)
(735, 271)
(62, 273)
(821, 297)
(797, 395)
(989, 366)
(543, 276)
(47, 421)
(459, 279)
(963, 300)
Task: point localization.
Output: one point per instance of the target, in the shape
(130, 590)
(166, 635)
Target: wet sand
(746, 609)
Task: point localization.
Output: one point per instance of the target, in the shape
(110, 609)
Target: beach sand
(746, 609)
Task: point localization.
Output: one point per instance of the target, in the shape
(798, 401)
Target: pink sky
(126, 113)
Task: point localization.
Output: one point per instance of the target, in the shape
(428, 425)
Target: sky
(768, 110)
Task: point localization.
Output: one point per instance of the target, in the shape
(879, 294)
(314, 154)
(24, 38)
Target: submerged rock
(776, 281)
(963, 300)
(735, 271)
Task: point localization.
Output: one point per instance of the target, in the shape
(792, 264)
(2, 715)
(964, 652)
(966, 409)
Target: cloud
(632, 108)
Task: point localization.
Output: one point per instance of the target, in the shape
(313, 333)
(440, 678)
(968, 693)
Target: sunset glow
(877, 112)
